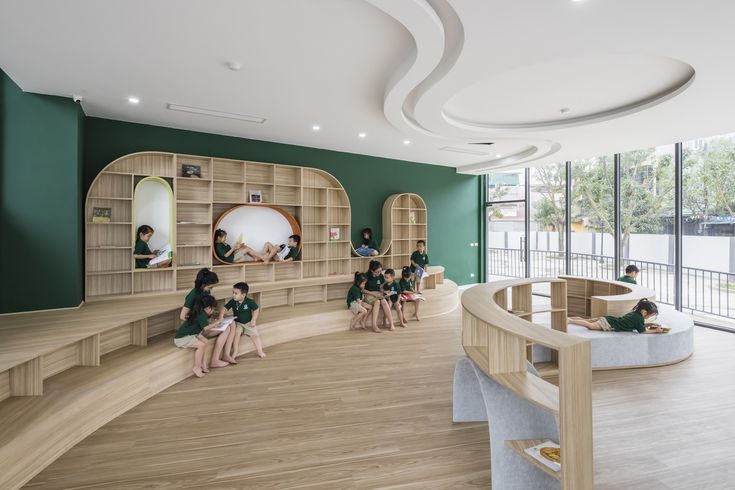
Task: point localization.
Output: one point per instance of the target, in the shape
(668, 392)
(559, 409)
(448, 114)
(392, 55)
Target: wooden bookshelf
(498, 341)
(313, 197)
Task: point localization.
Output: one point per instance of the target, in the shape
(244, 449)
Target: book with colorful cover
(226, 321)
(164, 254)
(547, 453)
(419, 272)
(411, 296)
(333, 234)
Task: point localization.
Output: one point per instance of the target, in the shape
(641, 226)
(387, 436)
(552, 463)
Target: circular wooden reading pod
(256, 224)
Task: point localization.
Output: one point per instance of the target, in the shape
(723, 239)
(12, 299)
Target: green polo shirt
(627, 279)
(374, 283)
(192, 298)
(420, 259)
(292, 253)
(353, 294)
(193, 326)
(141, 248)
(628, 322)
(406, 285)
(395, 288)
(221, 249)
(243, 311)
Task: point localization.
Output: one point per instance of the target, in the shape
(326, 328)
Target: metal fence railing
(703, 290)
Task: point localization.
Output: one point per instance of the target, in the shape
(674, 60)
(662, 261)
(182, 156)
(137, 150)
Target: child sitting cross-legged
(635, 321)
(357, 306)
(246, 312)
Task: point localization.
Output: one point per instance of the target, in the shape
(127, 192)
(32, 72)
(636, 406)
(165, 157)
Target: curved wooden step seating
(135, 359)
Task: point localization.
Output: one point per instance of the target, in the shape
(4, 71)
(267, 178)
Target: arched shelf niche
(258, 224)
(153, 205)
(404, 223)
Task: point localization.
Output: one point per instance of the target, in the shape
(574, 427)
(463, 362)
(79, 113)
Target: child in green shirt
(357, 306)
(631, 272)
(270, 251)
(393, 294)
(246, 312)
(369, 247)
(192, 334)
(635, 321)
(203, 283)
(232, 255)
(375, 297)
(406, 285)
(142, 253)
(421, 259)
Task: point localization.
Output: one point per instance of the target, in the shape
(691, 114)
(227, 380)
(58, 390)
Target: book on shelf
(226, 321)
(164, 254)
(188, 170)
(333, 234)
(412, 217)
(547, 453)
(101, 215)
(411, 296)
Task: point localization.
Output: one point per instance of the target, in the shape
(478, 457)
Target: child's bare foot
(205, 369)
(219, 364)
(377, 330)
(198, 372)
(261, 354)
(418, 318)
(363, 326)
(231, 360)
(404, 325)
(392, 328)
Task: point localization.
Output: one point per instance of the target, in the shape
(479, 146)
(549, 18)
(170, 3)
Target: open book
(411, 296)
(548, 453)
(419, 273)
(164, 254)
(226, 321)
(283, 253)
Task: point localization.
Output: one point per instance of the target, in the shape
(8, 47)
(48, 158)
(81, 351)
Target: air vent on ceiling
(455, 149)
(210, 112)
(487, 144)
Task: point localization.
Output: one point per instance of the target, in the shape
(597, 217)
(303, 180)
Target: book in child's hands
(226, 321)
(547, 453)
(411, 296)
(164, 254)
(283, 253)
(419, 273)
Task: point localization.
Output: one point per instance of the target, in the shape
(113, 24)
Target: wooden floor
(360, 410)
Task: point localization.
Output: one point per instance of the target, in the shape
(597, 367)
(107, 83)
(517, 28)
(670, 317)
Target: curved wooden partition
(589, 297)
(496, 339)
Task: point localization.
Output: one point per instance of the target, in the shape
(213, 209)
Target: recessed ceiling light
(234, 65)
(564, 111)
(361, 135)
(406, 142)
(315, 127)
(498, 156)
(133, 100)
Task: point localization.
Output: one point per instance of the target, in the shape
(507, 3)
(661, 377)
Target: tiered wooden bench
(129, 341)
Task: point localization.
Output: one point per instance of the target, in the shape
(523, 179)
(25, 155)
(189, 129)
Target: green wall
(41, 237)
(453, 200)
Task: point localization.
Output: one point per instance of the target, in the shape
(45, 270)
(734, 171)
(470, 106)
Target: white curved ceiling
(543, 80)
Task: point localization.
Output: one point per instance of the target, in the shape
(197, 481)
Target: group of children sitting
(376, 290)
(200, 323)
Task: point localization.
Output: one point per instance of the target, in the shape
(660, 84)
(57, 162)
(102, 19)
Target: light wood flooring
(361, 410)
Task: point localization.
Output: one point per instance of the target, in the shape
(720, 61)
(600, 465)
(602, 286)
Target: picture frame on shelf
(412, 217)
(334, 234)
(188, 170)
(101, 215)
(255, 196)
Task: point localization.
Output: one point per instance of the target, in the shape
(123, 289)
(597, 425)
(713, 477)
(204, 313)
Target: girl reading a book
(142, 253)
(407, 292)
(369, 247)
(375, 297)
(203, 284)
(191, 333)
(635, 321)
(239, 253)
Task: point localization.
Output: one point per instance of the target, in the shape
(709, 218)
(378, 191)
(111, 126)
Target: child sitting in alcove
(142, 252)
(228, 254)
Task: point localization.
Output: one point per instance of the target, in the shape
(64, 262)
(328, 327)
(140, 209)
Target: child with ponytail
(635, 321)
